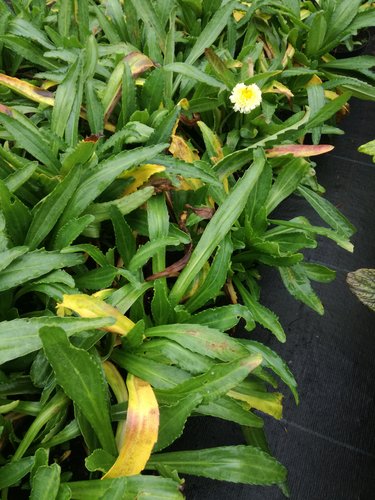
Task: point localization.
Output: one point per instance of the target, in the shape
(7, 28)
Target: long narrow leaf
(238, 464)
(86, 388)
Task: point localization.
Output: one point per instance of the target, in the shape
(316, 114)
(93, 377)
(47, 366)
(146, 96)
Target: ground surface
(328, 442)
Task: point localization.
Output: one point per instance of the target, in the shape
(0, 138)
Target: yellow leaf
(198, 281)
(138, 62)
(314, 80)
(304, 14)
(330, 94)
(26, 89)
(289, 53)
(279, 88)
(118, 387)
(140, 175)
(141, 430)
(238, 15)
(88, 306)
(182, 150)
(213, 144)
(189, 184)
(103, 294)
(267, 402)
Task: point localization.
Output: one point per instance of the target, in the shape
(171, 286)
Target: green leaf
(26, 29)
(19, 337)
(220, 69)
(103, 174)
(316, 34)
(259, 196)
(208, 35)
(82, 18)
(79, 155)
(111, 89)
(95, 111)
(153, 90)
(167, 351)
(368, 149)
(237, 464)
(13, 472)
(149, 249)
(227, 408)
(196, 170)
(159, 375)
(64, 492)
(17, 215)
(212, 143)
(298, 284)
(261, 314)
(146, 11)
(216, 277)
(70, 231)
(158, 227)
(40, 459)
(64, 17)
(328, 110)
(357, 88)
(87, 388)
(31, 139)
(215, 383)
(286, 182)
(200, 339)
(125, 241)
(362, 284)
(9, 256)
(223, 318)
(35, 264)
(46, 483)
(93, 251)
(193, 73)
(99, 460)
(49, 209)
(303, 224)
(352, 63)
(64, 98)
(343, 14)
(27, 49)
(274, 362)
(8, 407)
(173, 419)
(328, 212)
(126, 296)
(15, 180)
(158, 488)
(211, 31)
(316, 100)
(218, 227)
(126, 204)
(97, 279)
(164, 131)
(318, 272)
(128, 95)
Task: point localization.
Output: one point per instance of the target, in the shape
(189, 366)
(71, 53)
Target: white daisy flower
(246, 97)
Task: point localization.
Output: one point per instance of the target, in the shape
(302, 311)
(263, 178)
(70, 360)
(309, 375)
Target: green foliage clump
(136, 207)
